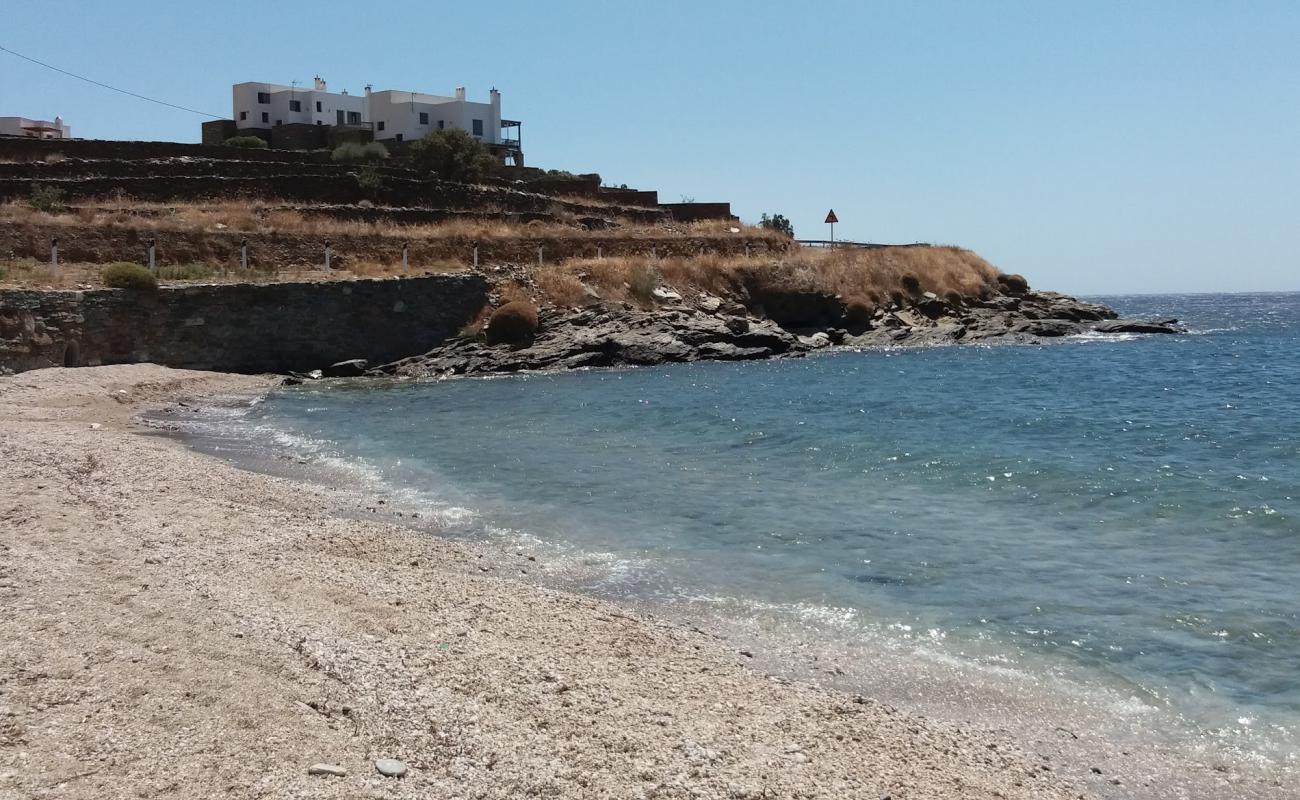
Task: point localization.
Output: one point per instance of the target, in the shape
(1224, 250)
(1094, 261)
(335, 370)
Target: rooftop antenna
(293, 89)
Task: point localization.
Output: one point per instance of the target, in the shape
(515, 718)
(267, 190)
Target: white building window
(266, 117)
(295, 105)
(424, 117)
(317, 106)
(264, 98)
(478, 127)
(381, 125)
(243, 115)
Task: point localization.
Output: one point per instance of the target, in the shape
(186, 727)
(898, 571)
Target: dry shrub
(561, 287)
(1013, 284)
(125, 275)
(642, 280)
(512, 323)
(858, 312)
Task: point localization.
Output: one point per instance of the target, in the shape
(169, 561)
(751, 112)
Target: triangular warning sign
(831, 218)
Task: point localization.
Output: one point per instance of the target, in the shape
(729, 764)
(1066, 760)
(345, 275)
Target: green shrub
(355, 151)
(185, 272)
(247, 142)
(512, 323)
(452, 155)
(48, 199)
(370, 181)
(778, 223)
(124, 275)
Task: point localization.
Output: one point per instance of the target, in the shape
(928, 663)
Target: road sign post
(831, 219)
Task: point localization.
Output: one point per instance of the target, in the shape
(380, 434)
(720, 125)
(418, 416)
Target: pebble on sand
(390, 767)
(328, 770)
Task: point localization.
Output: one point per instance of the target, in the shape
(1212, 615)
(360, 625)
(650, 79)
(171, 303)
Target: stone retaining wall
(237, 327)
(104, 244)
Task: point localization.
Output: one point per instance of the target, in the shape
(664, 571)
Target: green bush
(48, 199)
(512, 323)
(124, 275)
(355, 151)
(247, 142)
(185, 272)
(370, 181)
(452, 155)
(778, 223)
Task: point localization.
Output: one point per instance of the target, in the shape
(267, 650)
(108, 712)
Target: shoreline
(223, 625)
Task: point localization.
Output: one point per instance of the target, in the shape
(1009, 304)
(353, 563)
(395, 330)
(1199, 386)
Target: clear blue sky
(1094, 147)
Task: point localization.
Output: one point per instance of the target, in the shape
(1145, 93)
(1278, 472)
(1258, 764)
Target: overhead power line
(106, 86)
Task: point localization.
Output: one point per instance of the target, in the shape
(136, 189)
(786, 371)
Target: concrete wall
(237, 327)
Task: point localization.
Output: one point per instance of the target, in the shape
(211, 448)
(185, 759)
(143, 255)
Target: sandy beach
(177, 627)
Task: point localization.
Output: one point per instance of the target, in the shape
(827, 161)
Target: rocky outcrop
(606, 338)
(713, 330)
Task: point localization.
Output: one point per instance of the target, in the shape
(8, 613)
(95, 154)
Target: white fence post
(54, 256)
(243, 255)
(406, 263)
(600, 252)
(153, 247)
(327, 254)
(475, 256)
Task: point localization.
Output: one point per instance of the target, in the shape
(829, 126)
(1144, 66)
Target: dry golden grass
(868, 276)
(253, 216)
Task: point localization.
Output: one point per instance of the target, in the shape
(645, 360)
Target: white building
(405, 116)
(265, 105)
(35, 128)
(391, 115)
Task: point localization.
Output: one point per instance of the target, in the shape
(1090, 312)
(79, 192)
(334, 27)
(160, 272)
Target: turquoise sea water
(1124, 513)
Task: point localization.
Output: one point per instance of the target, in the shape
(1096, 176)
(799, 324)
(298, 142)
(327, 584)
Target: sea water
(1119, 513)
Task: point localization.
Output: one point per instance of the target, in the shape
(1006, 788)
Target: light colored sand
(175, 627)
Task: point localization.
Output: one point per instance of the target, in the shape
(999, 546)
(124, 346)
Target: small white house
(35, 128)
(265, 105)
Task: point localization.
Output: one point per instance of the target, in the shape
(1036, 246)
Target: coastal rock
(1139, 326)
(595, 338)
(627, 336)
(327, 770)
(352, 368)
(390, 767)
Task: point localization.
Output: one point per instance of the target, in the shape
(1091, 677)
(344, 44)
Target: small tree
(778, 223)
(48, 199)
(452, 155)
